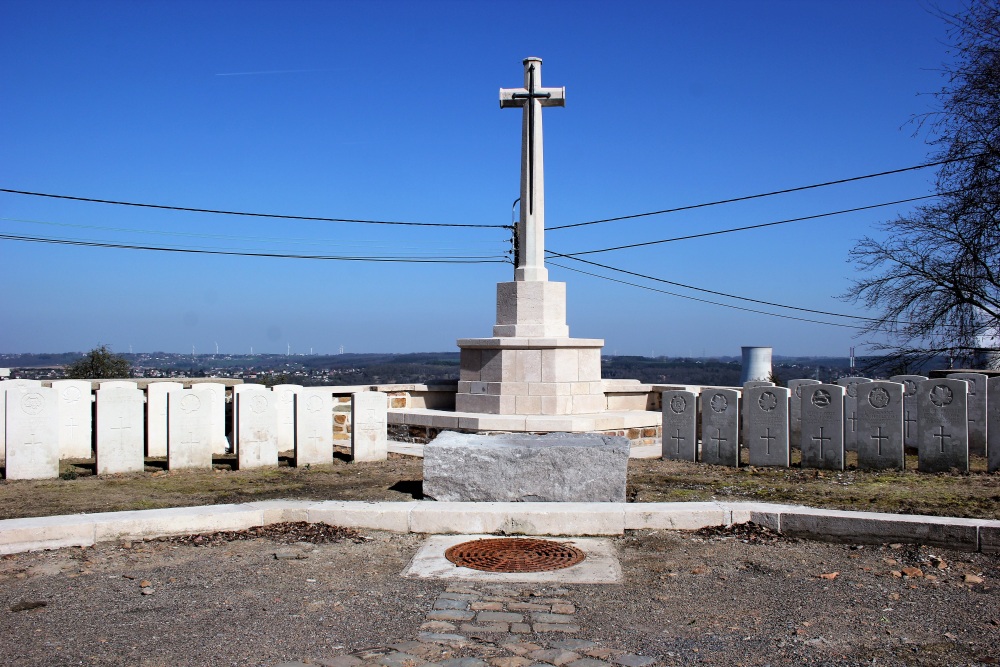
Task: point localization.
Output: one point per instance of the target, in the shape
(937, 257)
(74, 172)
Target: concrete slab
(675, 516)
(600, 567)
(393, 517)
(518, 518)
(45, 532)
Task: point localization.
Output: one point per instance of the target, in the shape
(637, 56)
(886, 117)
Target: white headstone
(993, 427)
(118, 384)
(795, 410)
(720, 427)
(823, 426)
(237, 390)
(680, 425)
(76, 418)
(977, 410)
(850, 385)
(189, 419)
(880, 425)
(256, 444)
(217, 414)
(16, 385)
(285, 409)
(120, 433)
(369, 439)
(942, 425)
(765, 426)
(910, 383)
(32, 433)
(313, 427)
(156, 416)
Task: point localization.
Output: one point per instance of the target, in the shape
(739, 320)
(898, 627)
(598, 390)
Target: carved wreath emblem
(314, 404)
(821, 398)
(678, 404)
(767, 401)
(941, 395)
(852, 389)
(878, 398)
(719, 403)
(258, 404)
(190, 403)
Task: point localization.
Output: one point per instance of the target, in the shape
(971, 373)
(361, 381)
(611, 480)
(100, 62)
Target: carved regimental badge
(941, 395)
(767, 401)
(719, 403)
(878, 398)
(678, 404)
(258, 404)
(32, 404)
(911, 387)
(821, 398)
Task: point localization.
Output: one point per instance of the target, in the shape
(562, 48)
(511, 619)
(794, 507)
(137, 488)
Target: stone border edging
(568, 519)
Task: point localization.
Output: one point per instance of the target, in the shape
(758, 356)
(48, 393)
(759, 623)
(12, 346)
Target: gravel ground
(724, 597)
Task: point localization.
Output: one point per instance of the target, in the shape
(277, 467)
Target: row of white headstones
(944, 420)
(119, 425)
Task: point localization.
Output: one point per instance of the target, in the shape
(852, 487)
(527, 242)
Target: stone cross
(529, 259)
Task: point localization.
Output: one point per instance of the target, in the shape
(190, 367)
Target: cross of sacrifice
(529, 256)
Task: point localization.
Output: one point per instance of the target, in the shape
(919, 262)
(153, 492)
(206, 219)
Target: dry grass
(976, 495)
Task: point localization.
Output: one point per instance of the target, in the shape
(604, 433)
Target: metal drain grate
(514, 555)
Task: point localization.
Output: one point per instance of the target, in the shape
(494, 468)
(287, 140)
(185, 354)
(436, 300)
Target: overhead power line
(714, 303)
(763, 194)
(708, 291)
(765, 224)
(252, 215)
(339, 258)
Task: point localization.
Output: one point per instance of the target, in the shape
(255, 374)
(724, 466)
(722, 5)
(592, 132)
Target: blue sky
(389, 111)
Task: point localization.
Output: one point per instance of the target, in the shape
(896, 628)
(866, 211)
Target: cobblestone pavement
(480, 627)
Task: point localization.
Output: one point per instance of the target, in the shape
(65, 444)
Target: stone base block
(531, 308)
(558, 467)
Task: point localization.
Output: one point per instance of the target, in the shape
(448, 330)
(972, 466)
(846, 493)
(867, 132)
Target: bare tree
(934, 278)
(100, 363)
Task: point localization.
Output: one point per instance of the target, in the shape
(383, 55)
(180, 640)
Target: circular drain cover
(514, 555)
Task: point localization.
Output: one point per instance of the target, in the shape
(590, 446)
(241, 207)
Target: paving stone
(339, 661)
(547, 600)
(405, 647)
(451, 615)
(291, 664)
(487, 627)
(554, 656)
(630, 660)
(458, 596)
(588, 662)
(486, 606)
(499, 617)
(504, 590)
(520, 628)
(451, 604)
(552, 618)
(555, 627)
(437, 626)
(499, 598)
(463, 662)
(522, 648)
(510, 661)
(563, 608)
(399, 659)
(462, 589)
(528, 606)
(599, 652)
(572, 644)
(443, 638)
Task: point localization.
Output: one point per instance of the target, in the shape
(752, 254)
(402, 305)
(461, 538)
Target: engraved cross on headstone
(718, 441)
(878, 437)
(529, 260)
(767, 440)
(121, 428)
(941, 436)
(907, 421)
(677, 441)
(822, 439)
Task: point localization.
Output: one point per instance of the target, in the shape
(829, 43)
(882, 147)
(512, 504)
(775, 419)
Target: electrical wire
(253, 215)
(765, 224)
(714, 303)
(763, 194)
(124, 246)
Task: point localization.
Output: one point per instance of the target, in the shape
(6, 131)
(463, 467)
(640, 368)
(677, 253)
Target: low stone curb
(570, 519)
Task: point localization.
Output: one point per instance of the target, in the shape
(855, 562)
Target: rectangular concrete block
(47, 532)
(674, 516)
(561, 365)
(282, 511)
(877, 528)
(470, 365)
(518, 518)
(527, 365)
(393, 517)
(558, 467)
(989, 538)
(528, 405)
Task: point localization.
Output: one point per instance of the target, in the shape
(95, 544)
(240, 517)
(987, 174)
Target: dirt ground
(722, 597)
(974, 495)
